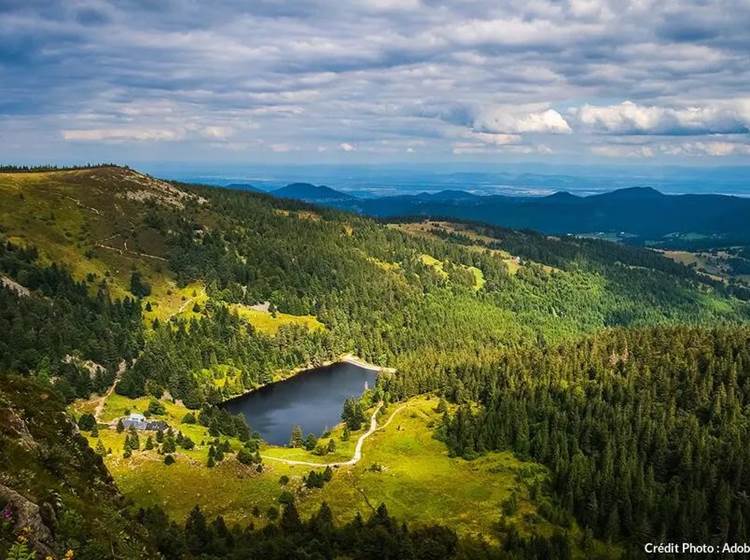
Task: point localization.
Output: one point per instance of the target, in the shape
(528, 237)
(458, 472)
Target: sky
(376, 81)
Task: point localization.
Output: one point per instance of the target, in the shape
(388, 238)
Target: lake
(313, 399)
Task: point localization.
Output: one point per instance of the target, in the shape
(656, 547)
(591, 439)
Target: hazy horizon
(517, 179)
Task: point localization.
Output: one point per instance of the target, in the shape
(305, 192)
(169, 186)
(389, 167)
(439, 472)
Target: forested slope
(166, 268)
(55, 493)
(645, 430)
(621, 370)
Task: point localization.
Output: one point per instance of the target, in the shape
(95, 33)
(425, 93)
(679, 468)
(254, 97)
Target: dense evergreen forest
(645, 431)
(175, 352)
(63, 320)
(377, 298)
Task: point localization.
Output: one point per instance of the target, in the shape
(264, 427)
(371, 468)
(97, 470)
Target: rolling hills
(186, 295)
(638, 215)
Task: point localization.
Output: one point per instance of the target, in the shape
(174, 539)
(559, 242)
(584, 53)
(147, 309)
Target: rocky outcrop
(14, 427)
(28, 519)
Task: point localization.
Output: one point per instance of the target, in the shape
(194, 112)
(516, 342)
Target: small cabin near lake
(140, 422)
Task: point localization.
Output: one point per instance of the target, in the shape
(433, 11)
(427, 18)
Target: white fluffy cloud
(479, 76)
(505, 120)
(631, 118)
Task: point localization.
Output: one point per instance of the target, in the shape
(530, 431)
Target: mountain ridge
(311, 193)
(642, 212)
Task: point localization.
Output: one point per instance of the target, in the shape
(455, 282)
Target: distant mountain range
(311, 193)
(639, 212)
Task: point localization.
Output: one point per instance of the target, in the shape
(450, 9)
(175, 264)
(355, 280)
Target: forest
(623, 372)
(644, 430)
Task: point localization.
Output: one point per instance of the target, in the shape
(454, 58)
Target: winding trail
(103, 399)
(357, 449)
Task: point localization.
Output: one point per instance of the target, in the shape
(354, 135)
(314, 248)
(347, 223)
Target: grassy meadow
(403, 466)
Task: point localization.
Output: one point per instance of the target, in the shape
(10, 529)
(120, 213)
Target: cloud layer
(375, 80)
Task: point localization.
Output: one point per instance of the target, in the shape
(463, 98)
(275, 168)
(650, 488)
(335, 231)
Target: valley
(402, 465)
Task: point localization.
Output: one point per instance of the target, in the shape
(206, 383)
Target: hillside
(183, 296)
(371, 287)
(54, 487)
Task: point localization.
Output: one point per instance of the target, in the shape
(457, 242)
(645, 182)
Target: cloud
(504, 120)
(493, 76)
(623, 151)
(217, 132)
(496, 139)
(346, 147)
(687, 149)
(476, 148)
(630, 118)
(713, 149)
(122, 134)
(281, 148)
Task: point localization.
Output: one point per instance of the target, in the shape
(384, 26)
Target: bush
(169, 445)
(87, 422)
(286, 498)
(156, 408)
(245, 457)
(169, 460)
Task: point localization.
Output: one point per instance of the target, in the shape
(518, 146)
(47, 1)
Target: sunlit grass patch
(270, 323)
(167, 300)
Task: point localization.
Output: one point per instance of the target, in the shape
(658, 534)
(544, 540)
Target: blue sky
(368, 81)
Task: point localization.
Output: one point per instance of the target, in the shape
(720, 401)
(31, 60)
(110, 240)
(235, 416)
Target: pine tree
(290, 521)
(296, 439)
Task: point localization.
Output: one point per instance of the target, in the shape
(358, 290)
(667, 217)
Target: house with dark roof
(139, 422)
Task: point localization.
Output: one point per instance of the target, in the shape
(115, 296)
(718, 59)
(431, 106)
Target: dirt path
(100, 404)
(357, 449)
(184, 306)
(129, 252)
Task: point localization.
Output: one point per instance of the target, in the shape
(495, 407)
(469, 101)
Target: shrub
(286, 498)
(245, 457)
(156, 408)
(87, 422)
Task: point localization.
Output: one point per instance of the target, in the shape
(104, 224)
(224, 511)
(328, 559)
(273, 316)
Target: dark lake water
(313, 399)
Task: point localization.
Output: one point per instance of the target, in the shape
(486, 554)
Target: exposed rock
(13, 426)
(14, 286)
(92, 367)
(148, 188)
(28, 518)
(263, 306)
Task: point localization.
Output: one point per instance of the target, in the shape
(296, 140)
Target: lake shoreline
(312, 399)
(347, 358)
